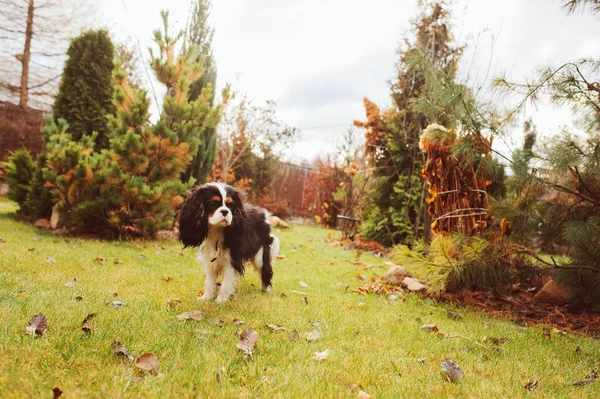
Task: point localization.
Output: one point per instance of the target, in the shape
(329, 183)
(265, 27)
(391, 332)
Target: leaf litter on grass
(313, 335)
(194, 315)
(85, 325)
(248, 340)
(119, 350)
(275, 327)
(37, 325)
(453, 370)
(148, 362)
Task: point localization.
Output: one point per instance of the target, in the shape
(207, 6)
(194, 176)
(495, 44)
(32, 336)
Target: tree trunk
(24, 91)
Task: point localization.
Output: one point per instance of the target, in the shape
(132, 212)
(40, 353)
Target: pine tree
(85, 96)
(132, 188)
(199, 38)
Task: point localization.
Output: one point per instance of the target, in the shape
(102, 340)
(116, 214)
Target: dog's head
(212, 206)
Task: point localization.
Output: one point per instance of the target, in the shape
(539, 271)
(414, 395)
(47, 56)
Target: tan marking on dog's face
(228, 200)
(216, 198)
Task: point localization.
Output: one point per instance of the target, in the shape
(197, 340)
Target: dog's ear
(193, 219)
(238, 222)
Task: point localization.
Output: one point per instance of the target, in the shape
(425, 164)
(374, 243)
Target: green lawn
(374, 342)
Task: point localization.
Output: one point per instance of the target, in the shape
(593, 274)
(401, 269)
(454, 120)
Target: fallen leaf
(31, 249)
(118, 304)
(363, 395)
(592, 374)
(361, 304)
(421, 360)
(359, 263)
(117, 261)
(195, 315)
(322, 355)
(303, 284)
(299, 292)
(453, 370)
(115, 294)
(173, 302)
(532, 384)
(453, 314)
(2, 240)
(50, 260)
(70, 284)
(293, 336)
(584, 382)
(78, 298)
(22, 295)
(218, 321)
(281, 257)
(305, 301)
(37, 325)
(56, 392)
(99, 259)
(429, 327)
(275, 327)
(85, 325)
(148, 362)
(119, 350)
(313, 335)
(238, 321)
(168, 278)
(248, 339)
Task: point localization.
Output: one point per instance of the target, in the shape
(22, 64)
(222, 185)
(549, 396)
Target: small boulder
(395, 275)
(413, 285)
(42, 224)
(277, 222)
(553, 293)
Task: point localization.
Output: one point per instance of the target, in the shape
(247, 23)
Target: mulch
(518, 305)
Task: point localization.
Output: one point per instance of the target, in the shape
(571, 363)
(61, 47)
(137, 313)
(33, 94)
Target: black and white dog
(228, 233)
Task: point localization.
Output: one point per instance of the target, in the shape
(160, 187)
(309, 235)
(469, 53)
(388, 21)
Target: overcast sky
(318, 58)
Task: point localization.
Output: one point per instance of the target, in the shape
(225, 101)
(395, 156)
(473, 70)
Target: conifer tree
(132, 188)
(85, 95)
(199, 38)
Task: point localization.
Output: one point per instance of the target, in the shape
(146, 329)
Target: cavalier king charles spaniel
(228, 233)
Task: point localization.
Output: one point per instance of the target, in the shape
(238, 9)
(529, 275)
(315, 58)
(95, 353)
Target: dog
(227, 233)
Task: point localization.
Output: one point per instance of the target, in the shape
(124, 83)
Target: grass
(369, 345)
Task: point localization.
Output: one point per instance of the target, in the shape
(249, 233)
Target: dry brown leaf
(118, 304)
(532, 384)
(248, 340)
(584, 382)
(219, 321)
(453, 314)
(173, 302)
(119, 350)
(168, 279)
(100, 259)
(293, 336)
(452, 369)
(313, 335)
(238, 321)
(275, 327)
(195, 315)
(305, 300)
(56, 392)
(303, 284)
(37, 325)
(85, 325)
(322, 355)
(362, 395)
(429, 327)
(281, 257)
(117, 261)
(148, 362)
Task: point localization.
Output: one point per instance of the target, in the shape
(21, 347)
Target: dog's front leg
(231, 275)
(210, 284)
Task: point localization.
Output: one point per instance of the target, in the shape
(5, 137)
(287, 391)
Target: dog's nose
(224, 212)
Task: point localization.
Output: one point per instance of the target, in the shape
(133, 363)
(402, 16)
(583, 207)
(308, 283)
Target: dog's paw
(222, 298)
(266, 289)
(204, 297)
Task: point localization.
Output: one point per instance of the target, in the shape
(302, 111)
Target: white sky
(318, 58)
